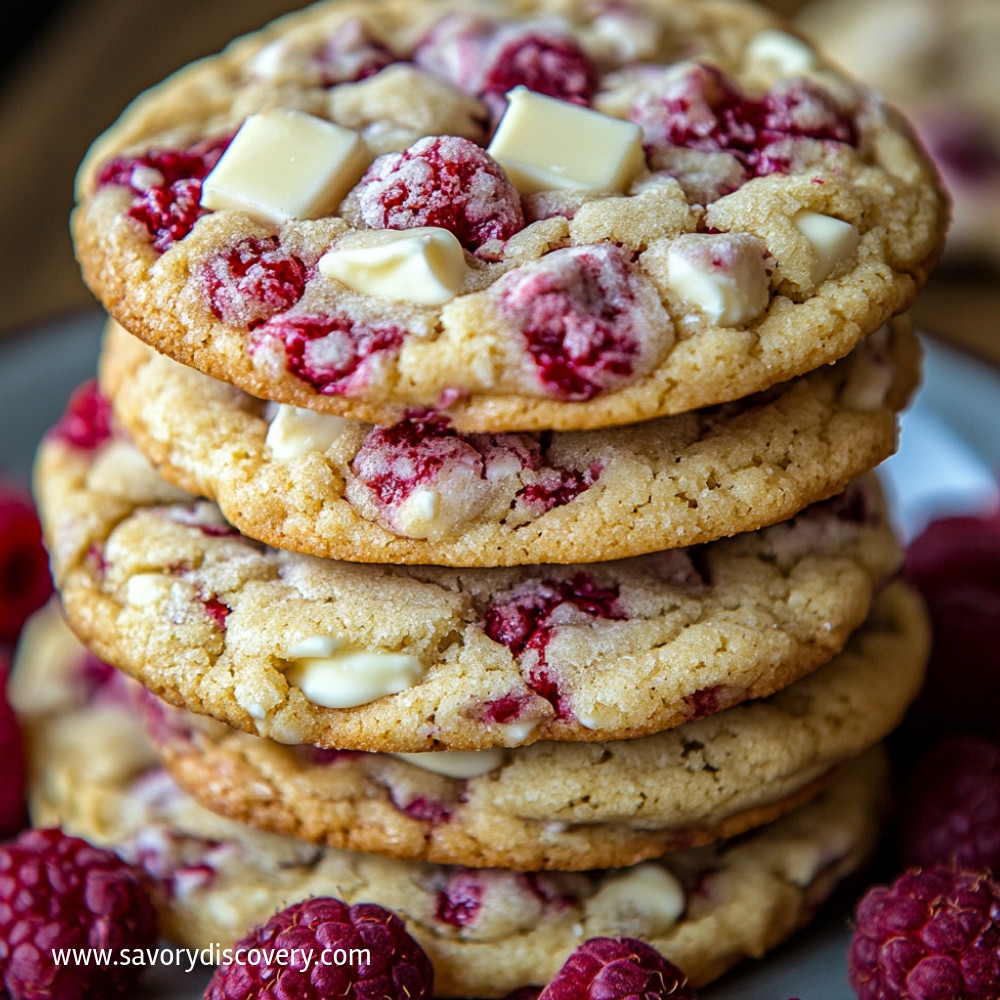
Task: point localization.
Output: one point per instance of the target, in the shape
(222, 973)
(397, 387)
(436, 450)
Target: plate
(946, 463)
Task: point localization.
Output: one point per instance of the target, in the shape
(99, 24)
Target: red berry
(13, 813)
(575, 308)
(252, 281)
(617, 969)
(351, 53)
(25, 581)
(951, 810)
(548, 65)
(86, 422)
(442, 181)
(934, 934)
(394, 964)
(58, 891)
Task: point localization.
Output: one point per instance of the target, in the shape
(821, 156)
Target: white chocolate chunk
(515, 733)
(544, 143)
(645, 889)
(424, 265)
(782, 53)
(146, 589)
(831, 240)
(294, 432)
(284, 164)
(336, 677)
(724, 276)
(460, 764)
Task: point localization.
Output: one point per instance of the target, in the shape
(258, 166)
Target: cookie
(487, 931)
(378, 657)
(420, 492)
(941, 70)
(567, 805)
(675, 205)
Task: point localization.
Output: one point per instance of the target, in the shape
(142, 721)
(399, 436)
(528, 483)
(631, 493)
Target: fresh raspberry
(442, 181)
(396, 965)
(575, 309)
(955, 564)
(58, 891)
(951, 810)
(934, 934)
(25, 581)
(351, 53)
(166, 187)
(703, 109)
(548, 65)
(252, 281)
(334, 354)
(617, 969)
(13, 813)
(86, 422)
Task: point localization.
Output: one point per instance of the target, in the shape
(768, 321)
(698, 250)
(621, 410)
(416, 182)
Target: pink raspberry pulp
(86, 422)
(705, 110)
(575, 312)
(13, 813)
(617, 969)
(442, 181)
(460, 902)
(252, 281)
(58, 891)
(554, 66)
(351, 53)
(951, 810)
(934, 934)
(397, 965)
(334, 354)
(25, 581)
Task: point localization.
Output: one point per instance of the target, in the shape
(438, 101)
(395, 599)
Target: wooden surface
(99, 54)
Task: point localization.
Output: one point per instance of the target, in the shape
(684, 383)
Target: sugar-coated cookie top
(528, 215)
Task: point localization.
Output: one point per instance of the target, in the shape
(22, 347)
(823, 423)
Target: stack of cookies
(477, 485)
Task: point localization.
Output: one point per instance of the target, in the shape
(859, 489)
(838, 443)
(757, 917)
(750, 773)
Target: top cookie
(746, 213)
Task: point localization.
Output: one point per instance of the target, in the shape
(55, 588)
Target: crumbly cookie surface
(777, 214)
(487, 931)
(420, 492)
(375, 657)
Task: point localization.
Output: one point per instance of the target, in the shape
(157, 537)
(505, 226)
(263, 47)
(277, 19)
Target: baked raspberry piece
(252, 281)
(397, 966)
(617, 969)
(444, 181)
(557, 487)
(166, 186)
(955, 564)
(546, 64)
(25, 581)
(702, 109)
(86, 422)
(58, 891)
(934, 934)
(351, 53)
(577, 311)
(13, 813)
(951, 809)
(338, 356)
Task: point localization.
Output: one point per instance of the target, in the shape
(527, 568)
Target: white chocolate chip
(515, 733)
(544, 143)
(781, 53)
(146, 589)
(646, 889)
(868, 383)
(294, 432)
(831, 240)
(456, 763)
(337, 677)
(284, 164)
(725, 275)
(424, 265)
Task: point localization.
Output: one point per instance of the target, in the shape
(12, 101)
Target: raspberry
(951, 810)
(442, 181)
(86, 422)
(252, 281)
(25, 582)
(548, 65)
(617, 969)
(574, 308)
(396, 965)
(955, 564)
(703, 109)
(460, 901)
(13, 815)
(934, 934)
(351, 54)
(58, 891)
(332, 353)
(557, 487)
